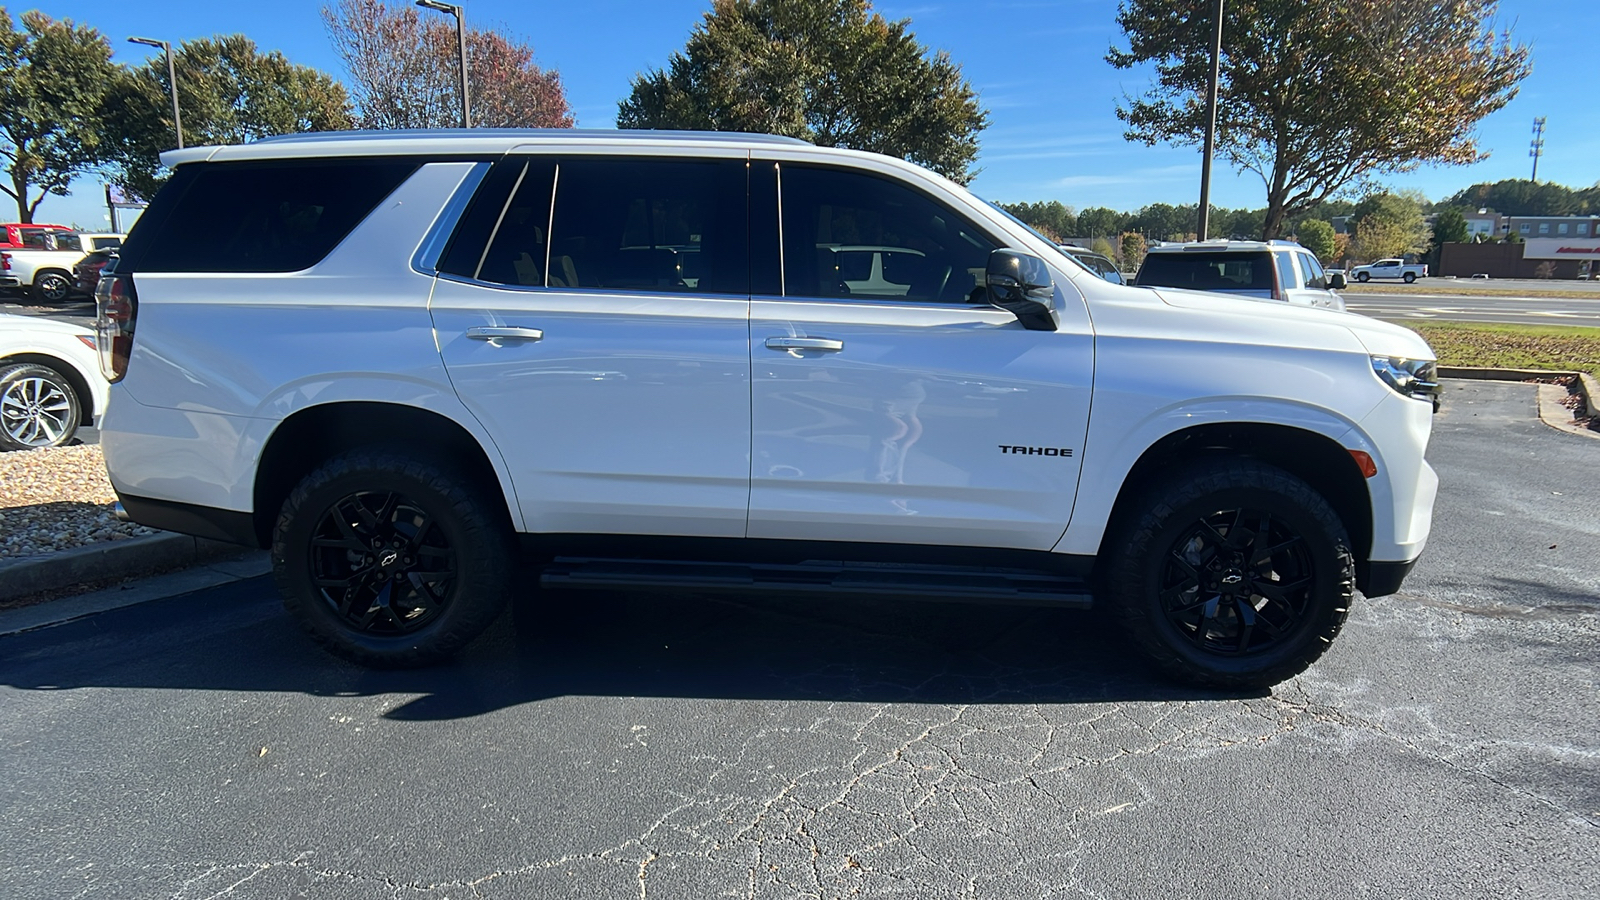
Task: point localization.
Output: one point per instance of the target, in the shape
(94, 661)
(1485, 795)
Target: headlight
(1417, 378)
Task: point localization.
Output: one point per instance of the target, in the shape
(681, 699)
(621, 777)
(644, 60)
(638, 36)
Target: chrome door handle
(803, 343)
(513, 332)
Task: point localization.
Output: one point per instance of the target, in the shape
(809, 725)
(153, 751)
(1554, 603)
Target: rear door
(602, 338)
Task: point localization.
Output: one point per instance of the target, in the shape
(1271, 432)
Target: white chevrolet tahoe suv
(413, 364)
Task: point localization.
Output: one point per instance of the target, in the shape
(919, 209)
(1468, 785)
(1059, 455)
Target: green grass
(1469, 288)
(1513, 346)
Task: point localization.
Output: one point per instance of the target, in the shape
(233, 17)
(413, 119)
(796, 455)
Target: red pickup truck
(21, 236)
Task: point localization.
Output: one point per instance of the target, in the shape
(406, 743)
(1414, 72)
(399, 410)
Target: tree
(1103, 247)
(1394, 226)
(1319, 96)
(832, 72)
(1376, 237)
(1521, 197)
(228, 94)
(53, 78)
(1133, 248)
(1098, 221)
(1449, 228)
(1318, 237)
(1164, 222)
(405, 71)
(1053, 219)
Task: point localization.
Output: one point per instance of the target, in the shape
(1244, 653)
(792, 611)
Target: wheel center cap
(1232, 578)
(388, 558)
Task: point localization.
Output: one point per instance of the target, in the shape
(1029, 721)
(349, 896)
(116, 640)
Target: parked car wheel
(392, 560)
(1233, 574)
(38, 408)
(1409, 277)
(52, 287)
(1363, 277)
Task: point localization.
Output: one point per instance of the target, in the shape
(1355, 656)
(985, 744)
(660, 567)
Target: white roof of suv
(460, 140)
(1222, 245)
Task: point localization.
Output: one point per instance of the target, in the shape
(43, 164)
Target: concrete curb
(1588, 387)
(107, 560)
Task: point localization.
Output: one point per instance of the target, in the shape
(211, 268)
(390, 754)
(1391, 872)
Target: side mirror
(1021, 284)
(1337, 282)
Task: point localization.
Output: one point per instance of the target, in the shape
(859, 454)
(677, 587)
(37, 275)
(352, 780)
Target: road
(683, 747)
(1530, 310)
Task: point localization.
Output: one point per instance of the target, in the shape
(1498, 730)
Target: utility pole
(1211, 128)
(461, 38)
(172, 81)
(1536, 146)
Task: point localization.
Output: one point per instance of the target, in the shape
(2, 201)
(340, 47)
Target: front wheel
(1233, 574)
(1363, 277)
(391, 560)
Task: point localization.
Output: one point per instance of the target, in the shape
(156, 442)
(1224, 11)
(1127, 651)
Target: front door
(889, 402)
(604, 344)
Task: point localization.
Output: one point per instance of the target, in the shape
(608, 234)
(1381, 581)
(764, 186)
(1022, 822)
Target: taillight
(5, 262)
(118, 308)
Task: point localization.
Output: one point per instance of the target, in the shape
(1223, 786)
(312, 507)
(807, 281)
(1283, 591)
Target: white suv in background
(414, 363)
(1266, 270)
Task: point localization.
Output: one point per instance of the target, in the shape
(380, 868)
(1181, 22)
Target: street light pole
(172, 81)
(461, 38)
(1211, 128)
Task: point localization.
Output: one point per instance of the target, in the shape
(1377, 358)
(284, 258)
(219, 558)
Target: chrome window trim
(426, 260)
(500, 220)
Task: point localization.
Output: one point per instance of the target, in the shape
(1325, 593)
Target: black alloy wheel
(382, 564)
(1237, 580)
(1230, 573)
(394, 559)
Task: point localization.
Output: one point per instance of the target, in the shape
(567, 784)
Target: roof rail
(574, 133)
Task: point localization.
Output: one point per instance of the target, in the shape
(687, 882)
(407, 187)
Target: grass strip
(1572, 348)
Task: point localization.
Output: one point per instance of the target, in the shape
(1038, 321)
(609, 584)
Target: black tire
(38, 408)
(444, 541)
(52, 287)
(1363, 277)
(1409, 277)
(1190, 583)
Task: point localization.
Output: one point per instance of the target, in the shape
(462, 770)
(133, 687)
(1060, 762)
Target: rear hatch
(1246, 273)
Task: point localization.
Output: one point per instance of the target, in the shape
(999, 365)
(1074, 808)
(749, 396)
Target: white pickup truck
(1389, 268)
(46, 272)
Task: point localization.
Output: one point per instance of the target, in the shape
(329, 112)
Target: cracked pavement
(675, 746)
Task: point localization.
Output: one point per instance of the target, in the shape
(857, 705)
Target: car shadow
(237, 638)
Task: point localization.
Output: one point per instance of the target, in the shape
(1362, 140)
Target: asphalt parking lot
(641, 746)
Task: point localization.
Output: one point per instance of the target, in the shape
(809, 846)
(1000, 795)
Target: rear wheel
(1233, 574)
(391, 560)
(52, 287)
(38, 408)
(1409, 277)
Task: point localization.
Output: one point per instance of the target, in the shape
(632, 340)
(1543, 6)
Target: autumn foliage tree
(404, 70)
(53, 77)
(832, 72)
(1319, 96)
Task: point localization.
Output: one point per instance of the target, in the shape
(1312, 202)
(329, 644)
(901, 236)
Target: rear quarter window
(279, 216)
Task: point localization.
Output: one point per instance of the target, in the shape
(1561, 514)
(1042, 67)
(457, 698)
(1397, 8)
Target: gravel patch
(57, 499)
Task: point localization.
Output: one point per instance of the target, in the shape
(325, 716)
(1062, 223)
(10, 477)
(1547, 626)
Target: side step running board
(954, 583)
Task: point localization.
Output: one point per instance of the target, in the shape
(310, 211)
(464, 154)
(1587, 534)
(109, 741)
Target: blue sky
(1037, 64)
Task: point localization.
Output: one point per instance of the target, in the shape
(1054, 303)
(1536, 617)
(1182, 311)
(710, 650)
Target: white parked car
(50, 382)
(724, 362)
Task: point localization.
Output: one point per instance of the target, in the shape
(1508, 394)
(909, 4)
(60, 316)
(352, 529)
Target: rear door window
(652, 225)
(1314, 277)
(278, 216)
